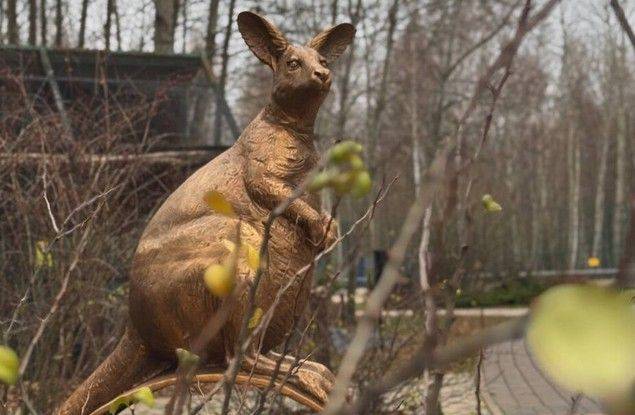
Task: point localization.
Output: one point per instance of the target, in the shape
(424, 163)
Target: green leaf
(43, 258)
(255, 318)
(490, 204)
(142, 395)
(341, 152)
(321, 180)
(343, 182)
(219, 280)
(253, 256)
(362, 184)
(217, 202)
(356, 162)
(9, 364)
(117, 404)
(186, 358)
(583, 337)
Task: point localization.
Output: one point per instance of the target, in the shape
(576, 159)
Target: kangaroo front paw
(324, 232)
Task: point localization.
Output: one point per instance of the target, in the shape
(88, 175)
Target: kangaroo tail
(129, 364)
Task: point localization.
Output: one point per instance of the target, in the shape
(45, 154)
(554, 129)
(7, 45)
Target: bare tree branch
(621, 18)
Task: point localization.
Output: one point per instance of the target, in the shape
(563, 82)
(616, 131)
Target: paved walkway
(512, 384)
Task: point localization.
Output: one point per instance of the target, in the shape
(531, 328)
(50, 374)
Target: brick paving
(512, 384)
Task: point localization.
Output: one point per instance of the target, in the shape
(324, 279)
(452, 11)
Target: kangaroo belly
(170, 304)
(288, 280)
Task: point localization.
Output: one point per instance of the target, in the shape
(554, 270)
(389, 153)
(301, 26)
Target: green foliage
(186, 358)
(9, 364)
(142, 395)
(43, 257)
(490, 204)
(515, 292)
(342, 151)
(255, 318)
(346, 172)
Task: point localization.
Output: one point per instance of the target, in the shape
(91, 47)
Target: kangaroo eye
(293, 64)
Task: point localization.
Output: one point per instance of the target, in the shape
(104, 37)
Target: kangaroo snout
(322, 75)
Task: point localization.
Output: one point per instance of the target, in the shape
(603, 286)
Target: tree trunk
(345, 80)
(574, 196)
(176, 9)
(185, 26)
(82, 24)
(413, 106)
(598, 220)
(59, 20)
(378, 110)
(619, 214)
(115, 10)
(13, 33)
(164, 26)
(43, 23)
(513, 217)
(110, 4)
(218, 120)
(32, 22)
(203, 97)
(539, 209)
(432, 403)
(212, 20)
(380, 101)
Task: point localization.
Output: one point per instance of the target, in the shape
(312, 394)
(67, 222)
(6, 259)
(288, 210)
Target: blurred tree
(32, 22)
(13, 34)
(164, 26)
(82, 24)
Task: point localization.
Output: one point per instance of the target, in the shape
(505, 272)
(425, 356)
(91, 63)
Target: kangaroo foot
(311, 377)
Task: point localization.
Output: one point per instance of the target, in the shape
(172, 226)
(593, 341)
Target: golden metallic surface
(169, 302)
(243, 378)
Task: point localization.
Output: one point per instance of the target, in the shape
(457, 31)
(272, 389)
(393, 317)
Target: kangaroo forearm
(271, 193)
(300, 211)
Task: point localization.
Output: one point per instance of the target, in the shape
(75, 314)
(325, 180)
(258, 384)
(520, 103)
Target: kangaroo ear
(264, 39)
(332, 42)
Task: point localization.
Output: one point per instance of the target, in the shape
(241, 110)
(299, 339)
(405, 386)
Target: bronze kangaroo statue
(169, 303)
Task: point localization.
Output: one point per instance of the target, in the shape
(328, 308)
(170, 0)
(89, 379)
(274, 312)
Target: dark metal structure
(182, 85)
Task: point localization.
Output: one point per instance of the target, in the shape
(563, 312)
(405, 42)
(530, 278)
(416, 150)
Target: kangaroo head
(301, 74)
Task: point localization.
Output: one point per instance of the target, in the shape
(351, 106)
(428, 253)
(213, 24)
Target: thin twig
(477, 382)
(58, 298)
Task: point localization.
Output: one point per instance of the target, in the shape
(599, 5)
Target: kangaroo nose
(322, 75)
